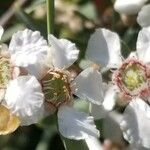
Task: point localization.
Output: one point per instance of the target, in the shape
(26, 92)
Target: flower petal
(143, 17)
(111, 125)
(28, 49)
(25, 99)
(129, 7)
(136, 123)
(143, 45)
(93, 143)
(1, 32)
(64, 52)
(104, 48)
(98, 111)
(110, 98)
(88, 85)
(76, 125)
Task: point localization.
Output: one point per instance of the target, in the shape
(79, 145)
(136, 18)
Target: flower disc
(56, 87)
(8, 122)
(132, 78)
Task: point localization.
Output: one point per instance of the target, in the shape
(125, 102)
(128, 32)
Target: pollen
(56, 87)
(5, 71)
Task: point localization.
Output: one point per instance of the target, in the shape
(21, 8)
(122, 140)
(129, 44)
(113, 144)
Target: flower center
(5, 71)
(8, 121)
(132, 78)
(56, 87)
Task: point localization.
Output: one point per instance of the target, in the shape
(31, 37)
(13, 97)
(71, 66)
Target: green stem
(50, 16)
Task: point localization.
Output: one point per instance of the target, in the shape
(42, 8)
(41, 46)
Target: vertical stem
(50, 16)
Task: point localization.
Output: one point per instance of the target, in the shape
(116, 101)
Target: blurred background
(75, 20)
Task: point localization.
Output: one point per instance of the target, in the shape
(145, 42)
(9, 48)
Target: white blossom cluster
(35, 82)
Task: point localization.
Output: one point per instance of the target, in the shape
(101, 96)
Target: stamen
(132, 78)
(5, 72)
(56, 87)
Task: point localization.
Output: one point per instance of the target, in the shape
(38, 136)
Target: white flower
(132, 74)
(131, 78)
(129, 7)
(72, 123)
(22, 100)
(56, 85)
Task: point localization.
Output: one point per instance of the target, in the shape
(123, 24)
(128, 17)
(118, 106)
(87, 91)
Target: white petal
(76, 125)
(64, 52)
(143, 17)
(111, 127)
(28, 49)
(104, 48)
(98, 111)
(136, 123)
(136, 147)
(133, 55)
(93, 143)
(110, 98)
(25, 99)
(1, 32)
(143, 45)
(129, 7)
(88, 86)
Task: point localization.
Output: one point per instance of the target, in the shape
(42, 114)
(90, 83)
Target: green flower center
(132, 78)
(5, 72)
(56, 87)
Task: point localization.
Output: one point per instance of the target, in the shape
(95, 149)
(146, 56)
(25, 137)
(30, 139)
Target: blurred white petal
(133, 55)
(76, 125)
(28, 49)
(63, 52)
(104, 48)
(129, 7)
(136, 123)
(25, 99)
(143, 17)
(88, 85)
(93, 143)
(111, 126)
(1, 32)
(110, 98)
(143, 45)
(98, 111)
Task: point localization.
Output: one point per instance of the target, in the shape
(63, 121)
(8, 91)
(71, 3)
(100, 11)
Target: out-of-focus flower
(131, 79)
(49, 66)
(126, 8)
(21, 96)
(143, 18)
(110, 145)
(65, 14)
(129, 7)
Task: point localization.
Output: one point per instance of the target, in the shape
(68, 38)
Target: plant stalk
(50, 16)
